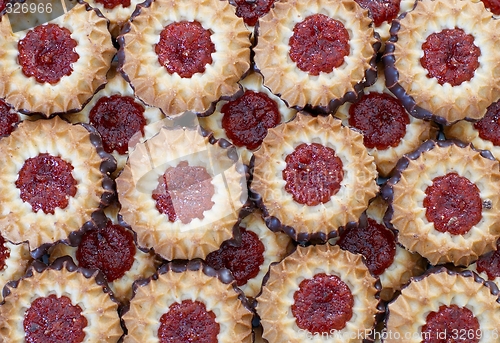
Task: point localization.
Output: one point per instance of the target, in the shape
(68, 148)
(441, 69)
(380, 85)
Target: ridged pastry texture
(15, 264)
(117, 16)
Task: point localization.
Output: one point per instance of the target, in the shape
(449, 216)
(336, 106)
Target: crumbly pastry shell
(319, 222)
(424, 97)
(173, 94)
(15, 264)
(117, 16)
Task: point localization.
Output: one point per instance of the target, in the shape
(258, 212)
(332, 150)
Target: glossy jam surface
(117, 118)
(252, 10)
(381, 10)
(450, 56)
(185, 48)
(54, 320)
(110, 4)
(243, 261)
(490, 263)
(492, 5)
(184, 192)
(375, 242)
(4, 253)
(8, 119)
(188, 322)
(489, 126)
(247, 119)
(451, 324)
(110, 249)
(453, 204)
(319, 44)
(313, 174)
(46, 182)
(47, 53)
(381, 118)
(322, 304)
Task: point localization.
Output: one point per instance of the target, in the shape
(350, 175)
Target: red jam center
(490, 263)
(185, 48)
(54, 320)
(110, 4)
(313, 174)
(117, 119)
(110, 249)
(188, 322)
(252, 10)
(375, 242)
(247, 118)
(451, 324)
(381, 10)
(46, 182)
(381, 118)
(493, 6)
(3, 4)
(4, 253)
(47, 53)
(7, 119)
(453, 204)
(243, 261)
(322, 304)
(319, 44)
(184, 192)
(489, 126)
(450, 56)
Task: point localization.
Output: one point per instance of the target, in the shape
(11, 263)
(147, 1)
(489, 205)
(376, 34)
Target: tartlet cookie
(488, 266)
(118, 12)
(14, 259)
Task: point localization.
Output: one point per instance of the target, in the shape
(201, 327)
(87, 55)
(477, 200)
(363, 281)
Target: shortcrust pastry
(488, 265)
(313, 175)
(14, 259)
(169, 69)
(293, 306)
(444, 202)
(251, 11)
(9, 119)
(118, 12)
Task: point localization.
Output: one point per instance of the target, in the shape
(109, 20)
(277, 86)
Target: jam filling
(54, 320)
(47, 53)
(110, 249)
(375, 242)
(381, 10)
(319, 44)
(184, 192)
(450, 56)
(185, 48)
(247, 119)
(313, 174)
(451, 324)
(46, 182)
(243, 261)
(117, 118)
(8, 119)
(490, 263)
(3, 4)
(453, 204)
(489, 126)
(322, 304)
(4, 253)
(381, 119)
(493, 6)
(110, 4)
(252, 10)
(188, 322)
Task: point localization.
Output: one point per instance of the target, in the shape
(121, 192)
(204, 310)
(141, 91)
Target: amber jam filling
(319, 44)
(375, 242)
(490, 263)
(53, 320)
(4, 253)
(117, 118)
(110, 249)
(184, 192)
(313, 174)
(381, 118)
(188, 321)
(449, 324)
(243, 261)
(450, 56)
(252, 10)
(453, 204)
(489, 126)
(47, 53)
(381, 10)
(247, 119)
(492, 5)
(322, 304)
(110, 4)
(46, 182)
(185, 48)
(8, 119)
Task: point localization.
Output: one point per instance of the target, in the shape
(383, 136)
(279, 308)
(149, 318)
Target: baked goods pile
(248, 171)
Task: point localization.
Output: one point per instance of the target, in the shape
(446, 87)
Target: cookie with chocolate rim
(118, 12)
(14, 259)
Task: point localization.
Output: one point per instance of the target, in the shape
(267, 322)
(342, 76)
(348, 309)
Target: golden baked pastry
(14, 259)
(118, 12)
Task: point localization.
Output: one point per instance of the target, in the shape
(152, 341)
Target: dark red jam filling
(489, 126)
(46, 182)
(188, 322)
(381, 118)
(54, 320)
(450, 56)
(243, 261)
(490, 263)
(110, 4)
(3, 4)
(47, 53)
(8, 119)
(493, 6)
(313, 174)
(110, 249)
(451, 324)
(117, 118)
(375, 242)
(381, 10)
(185, 48)
(252, 10)
(453, 204)
(322, 304)
(184, 192)
(247, 119)
(319, 44)
(4, 253)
